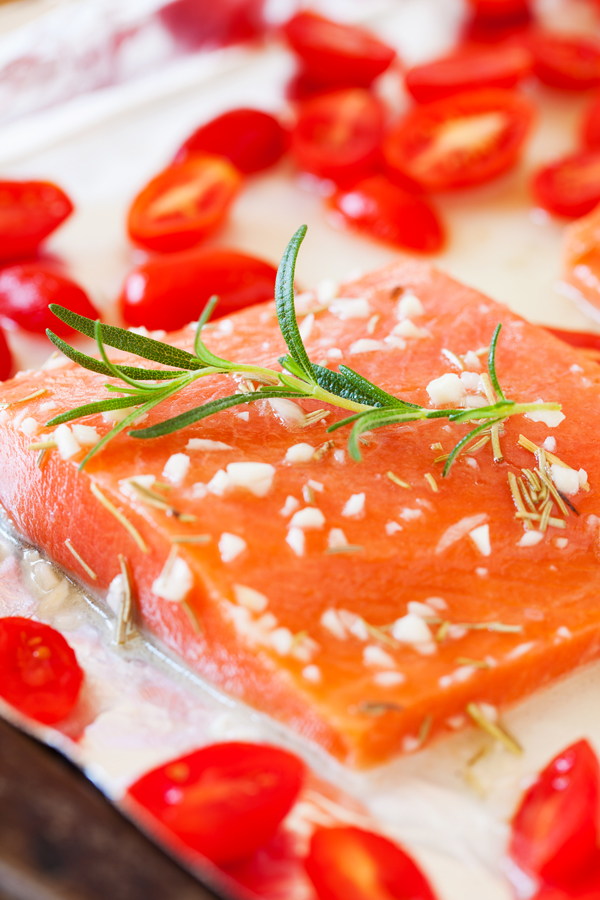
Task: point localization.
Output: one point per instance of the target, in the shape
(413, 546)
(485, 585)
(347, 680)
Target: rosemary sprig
(370, 407)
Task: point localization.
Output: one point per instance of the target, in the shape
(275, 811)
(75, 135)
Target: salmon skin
(400, 597)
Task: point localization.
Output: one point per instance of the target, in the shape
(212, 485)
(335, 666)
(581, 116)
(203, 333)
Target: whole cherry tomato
(566, 61)
(459, 141)
(226, 800)
(183, 204)
(338, 135)
(337, 54)
(590, 131)
(39, 674)
(571, 185)
(170, 291)
(250, 139)
(390, 213)
(555, 830)
(26, 291)
(29, 212)
(5, 357)
(347, 863)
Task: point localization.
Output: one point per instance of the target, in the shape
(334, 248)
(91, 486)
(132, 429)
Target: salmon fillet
(326, 641)
(581, 259)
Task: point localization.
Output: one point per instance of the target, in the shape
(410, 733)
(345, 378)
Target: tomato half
(588, 889)
(39, 673)
(590, 131)
(170, 291)
(29, 212)
(586, 340)
(459, 141)
(27, 290)
(390, 213)
(5, 357)
(500, 11)
(250, 139)
(183, 204)
(555, 830)
(334, 53)
(348, 863)
(570, 186)
(338, 135)
(195, 23)
(226, 800)
(490, 67)
(566, 61)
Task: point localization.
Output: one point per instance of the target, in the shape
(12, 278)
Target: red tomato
(500, 11)
(27, 290)
(347, 863)
(589, 889)
(226, 800)
(5, 357)
(570, 186)
(195, 23)
(460, 141)
(338, 135)
(170, 291)
(555, 829)
(250, 139)
(302, 86)
(587, 340)
(29, 212)
(591, 125)
(336, 54)
(566, 61)
(39, 674)
(183, 204)
(493, 67)
(390, 213)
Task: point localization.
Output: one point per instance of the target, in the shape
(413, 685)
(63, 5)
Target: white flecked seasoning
(566, 480)
(230, 546)
(307, 519)
(206, 445)
(481, 538)
(446, 390)
(86, 435)
(256, 477)
(295, 538)
(176, 468)
(299, 453)
(66, 442)
(175, 581)
(375, 656)
(354, 506)
(251, 599)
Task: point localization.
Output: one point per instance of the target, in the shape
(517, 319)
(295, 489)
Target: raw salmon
(381, 600)
(581, 261)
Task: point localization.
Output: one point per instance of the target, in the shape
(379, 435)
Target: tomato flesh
(590, 131)
(183, 204)
(500, 11)
(170, 291)
(390, 213)
(29, 212)
(39, 673)
(570, 186)
(226, 800)
(586, 340)
(347, 863)
(195, 23)
(567, 62)
(27, 290)
(462, 140)
(5, 357)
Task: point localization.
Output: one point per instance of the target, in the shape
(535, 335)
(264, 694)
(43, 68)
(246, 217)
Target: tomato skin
(415, 148)
(588, 889)
(170, 291)
(500, 11)
(555, 830)
(29, 212)
(225, 800)
(250, 139)
(5, 357)
(338, 135)
(337, 54)
(590, 131)
(39, 673)
(195, 23)
(390, 213)
(586, 340)
(568, 62)
(571, 185)
(347, 863)
(183, 204)
(26, 291)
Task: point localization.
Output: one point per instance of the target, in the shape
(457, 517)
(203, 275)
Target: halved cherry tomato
(493, 67)
(586, 340)
(500, 10)
(570, 186)
(337, 54)
(170, 291)
(588, 889)
(460, 141)
(347, 863)
(39, 673)
(250, 139)
(302, 86)
(5, 357)
(29, 212)
(566, 61)
(226, 800)
(390, 213)
(338, 135)
(195, 23)
(555, 830)
(183, 204)
(27, 290)
(590, 131)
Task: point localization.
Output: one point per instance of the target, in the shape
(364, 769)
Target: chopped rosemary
(81, 561)
(425, 729)
(191, 539)
(124, 625)
(119, 517)
(494, 729)
(378, 708)
(345, 548)
(398, 481)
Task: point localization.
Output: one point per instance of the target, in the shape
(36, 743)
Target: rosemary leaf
(492, 362)
(284, 304)
(90, 409)
(96, 365)
(378, 396)
(467, 438)
(336, 383)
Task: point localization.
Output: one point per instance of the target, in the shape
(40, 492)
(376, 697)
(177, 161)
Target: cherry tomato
(493, 67)
(170, 291)
(5, 357)
(39, 674)
(302, 86)
(390, 213)
(555, 830)
(338, 135)
(337, 54)
(590, 131)
(347, 863)
(183, 204)
(226, 800)
(570, 186)
(500, 10)
(250, 139)
(460, 141)
(586, 340)
(29, 212)
(566, 61)
(27, 290)
(195, 23)
(588, 889)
